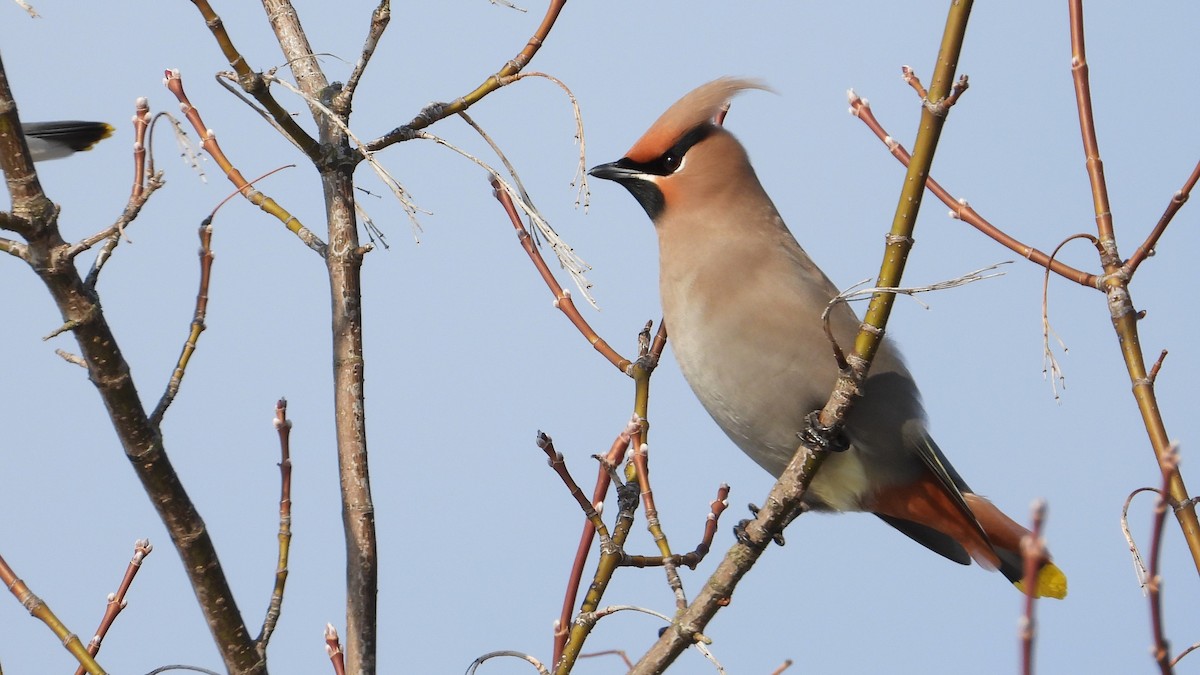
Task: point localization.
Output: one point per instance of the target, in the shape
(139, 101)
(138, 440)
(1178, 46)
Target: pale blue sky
(466, 358)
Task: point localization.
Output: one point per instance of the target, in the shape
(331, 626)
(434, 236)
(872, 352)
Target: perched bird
(53, 140)
(742, 302)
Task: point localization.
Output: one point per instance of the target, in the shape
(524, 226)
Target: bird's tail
(71, 135)
(1005, 536)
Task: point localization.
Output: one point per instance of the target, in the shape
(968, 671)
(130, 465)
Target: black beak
(618, 171)
(635, 179)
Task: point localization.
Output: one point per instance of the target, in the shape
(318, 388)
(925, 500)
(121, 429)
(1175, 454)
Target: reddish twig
(782, 667)
(961, 210)
(141, 122)
(333, 647)
(1157, 366)
(562, 298)
(913, 81)
(1177, 201)
(689, 560)
(1087, 128)
(938, 108)
(116, 601)
(1033, 555)
(559, 464)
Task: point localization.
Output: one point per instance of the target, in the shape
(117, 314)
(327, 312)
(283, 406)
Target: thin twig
(860, 291)
(542, 670)
(333, 649)
(41, 611)
(116, 601)
(228, 80)
(1033, 555)
(253, 84)
(609, 652)
(437, 111)
(590, 511)
(573, 264)
(71, 358)
(197, 324)
(1051, 369)
(141, 124)
(379, 22)
(28, 9)
(1157, 366)
(694, 558)
(1177, 201)
(1139, 566)
(11, 247)
(782, 667)
(562, 297)
(1191, 648)
(284, 427)
(174, 83)
(584, 193)
(1161, 649)
(959, 208)
(512, 170)
(145, 183)
(604, 478)
(401, 193)
(201, 309)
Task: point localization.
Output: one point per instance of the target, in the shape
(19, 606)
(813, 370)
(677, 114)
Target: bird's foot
(743, 537)
(830, 439)
(739, 530)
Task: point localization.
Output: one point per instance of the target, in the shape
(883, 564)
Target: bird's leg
(830, 439)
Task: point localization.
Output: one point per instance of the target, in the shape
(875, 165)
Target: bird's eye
(671, 162)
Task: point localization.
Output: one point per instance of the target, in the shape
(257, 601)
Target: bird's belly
(762, 406)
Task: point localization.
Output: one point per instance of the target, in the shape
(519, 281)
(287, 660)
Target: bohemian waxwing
(743, 301)
(52, 140)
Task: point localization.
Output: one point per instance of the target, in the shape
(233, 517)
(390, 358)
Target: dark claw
(826, 438)
(739, 532)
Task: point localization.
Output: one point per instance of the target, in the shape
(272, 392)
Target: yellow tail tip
(1051, 583)
(106, 132)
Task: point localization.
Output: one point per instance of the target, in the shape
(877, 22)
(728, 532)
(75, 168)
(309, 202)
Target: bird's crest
(697, 107)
